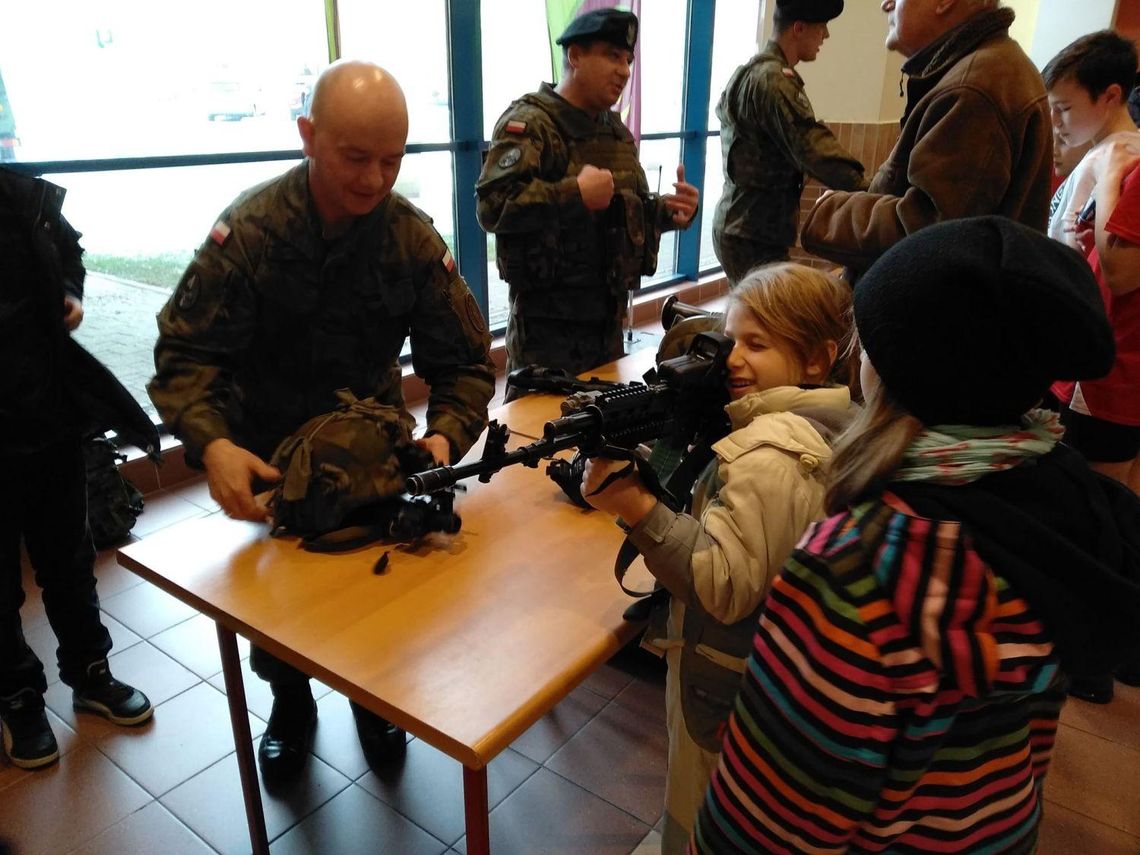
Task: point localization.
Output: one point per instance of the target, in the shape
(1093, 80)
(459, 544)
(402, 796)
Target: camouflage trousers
(738, 255)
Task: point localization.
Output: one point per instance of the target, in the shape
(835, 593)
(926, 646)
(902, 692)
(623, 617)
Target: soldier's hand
(438, 446)
(682, 204)
(230, 471)
(72, 313)
(596, 186)
(625, 497)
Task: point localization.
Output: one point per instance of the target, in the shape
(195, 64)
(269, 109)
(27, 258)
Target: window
(219, 86)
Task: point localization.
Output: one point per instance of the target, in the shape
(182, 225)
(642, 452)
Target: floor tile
(152, 829)
(163, 509)
(554, 729)
(69, 803)
(651, 845)
(645, 695)
(548, 814)
(1065, 832)
(356, 823)
(1118, 721)
(614, 675)
(1096, 778)
(620, 756)
(147, 610)
(188, 734)
(211, 803)
(194, 644)
(113, 578)
(427, 787)
(143, 666)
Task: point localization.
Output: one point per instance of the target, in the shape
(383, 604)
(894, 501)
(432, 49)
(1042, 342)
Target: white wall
(855, 78)
(1059, 22)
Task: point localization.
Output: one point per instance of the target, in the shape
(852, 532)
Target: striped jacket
(900, 697)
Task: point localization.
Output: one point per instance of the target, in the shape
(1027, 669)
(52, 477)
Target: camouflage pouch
(113, 502)
(624, 242)
(356, 456)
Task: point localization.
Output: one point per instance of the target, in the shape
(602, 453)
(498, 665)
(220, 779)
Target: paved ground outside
(119, 328)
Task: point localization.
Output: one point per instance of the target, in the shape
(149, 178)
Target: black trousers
(43, 501)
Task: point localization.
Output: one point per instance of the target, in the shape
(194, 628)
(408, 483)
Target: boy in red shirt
(1088, 84)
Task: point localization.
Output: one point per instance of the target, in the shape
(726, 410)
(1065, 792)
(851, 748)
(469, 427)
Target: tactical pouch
(113, 502)
(357, 455)
(624, 242)
(653, 217)
(530, 259)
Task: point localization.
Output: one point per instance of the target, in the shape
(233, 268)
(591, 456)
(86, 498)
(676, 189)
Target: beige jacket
(750, 507)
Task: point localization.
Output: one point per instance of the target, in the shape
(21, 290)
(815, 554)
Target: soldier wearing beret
(308, 284)
(564, 194)
(770, 138)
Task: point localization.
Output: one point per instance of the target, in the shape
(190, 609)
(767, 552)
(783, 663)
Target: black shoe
(28, 740)
(285, 744)
(381, 740)
(103, 695)
(1095, 690)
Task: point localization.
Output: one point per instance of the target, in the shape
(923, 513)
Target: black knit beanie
(970, 321)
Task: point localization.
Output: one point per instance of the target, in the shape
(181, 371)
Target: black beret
(602, 25)
(970, 321)
(810, 11)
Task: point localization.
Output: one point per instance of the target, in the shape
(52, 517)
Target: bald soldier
(307, 284)
(769, 138)
(567, 200)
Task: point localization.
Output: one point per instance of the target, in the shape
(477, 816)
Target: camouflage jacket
(40, 262)
(769, 138)
(564, 263)
(271, 319)
(976, 139)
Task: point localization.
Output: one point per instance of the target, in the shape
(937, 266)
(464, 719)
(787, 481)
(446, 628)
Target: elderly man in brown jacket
(975, 137)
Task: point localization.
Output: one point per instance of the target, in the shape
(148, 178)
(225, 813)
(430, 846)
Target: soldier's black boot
(28, 740)
(381, 741)
(1095, 690)
(285, 744)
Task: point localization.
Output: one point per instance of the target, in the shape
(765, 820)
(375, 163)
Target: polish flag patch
(219, 233)
(447, 261)
(515, 127)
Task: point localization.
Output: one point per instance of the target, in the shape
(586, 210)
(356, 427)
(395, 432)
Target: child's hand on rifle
(625, 496)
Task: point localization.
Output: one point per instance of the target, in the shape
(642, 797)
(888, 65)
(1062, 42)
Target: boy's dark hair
(1095, 62)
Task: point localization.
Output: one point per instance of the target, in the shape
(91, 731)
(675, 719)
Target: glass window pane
(659, 159)
(661, 47)
(710, 195)
(133, 81)
(413, 46)
(516, 56)
(734, 42)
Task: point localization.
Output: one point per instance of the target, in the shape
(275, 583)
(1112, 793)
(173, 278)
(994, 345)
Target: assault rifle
(681, 403)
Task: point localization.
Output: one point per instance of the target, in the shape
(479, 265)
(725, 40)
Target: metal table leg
(243, 741)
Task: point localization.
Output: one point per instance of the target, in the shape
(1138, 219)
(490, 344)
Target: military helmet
(359, 454)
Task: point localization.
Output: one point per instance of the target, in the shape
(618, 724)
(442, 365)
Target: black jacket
(40, 262)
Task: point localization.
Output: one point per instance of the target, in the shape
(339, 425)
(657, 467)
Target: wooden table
(465, 643)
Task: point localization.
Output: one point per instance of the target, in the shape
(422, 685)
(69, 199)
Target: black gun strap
(680, 484)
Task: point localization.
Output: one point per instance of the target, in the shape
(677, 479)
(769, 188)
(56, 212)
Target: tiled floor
(587, 778)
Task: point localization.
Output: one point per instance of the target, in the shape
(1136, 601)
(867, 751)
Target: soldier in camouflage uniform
(769, 138)
(567, 200)
(307, 284)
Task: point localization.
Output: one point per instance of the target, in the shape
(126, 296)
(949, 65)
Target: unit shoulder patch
(510, 158)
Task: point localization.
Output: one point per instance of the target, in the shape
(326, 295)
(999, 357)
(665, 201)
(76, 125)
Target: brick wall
(870, 142)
